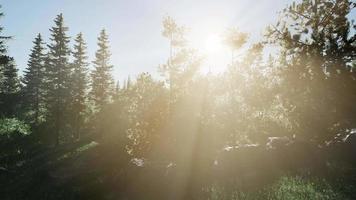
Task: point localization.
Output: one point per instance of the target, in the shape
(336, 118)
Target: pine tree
(79, 83)
(176, 36)
(117, 89)
(34, 77)
(128, 83)
(3, 48)
(124, 87)
(9, 88)
(183, 62)
(102, 81)
(9, 82)
(58, 74)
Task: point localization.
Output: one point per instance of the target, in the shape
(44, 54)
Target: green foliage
(317, 48)
(58, 71)
(12, 125)
(147, 113)
(34, 79)
(9, 89)
(3, 46)
(102, 84)
(79, 87)
(177, 127)
(9, 82)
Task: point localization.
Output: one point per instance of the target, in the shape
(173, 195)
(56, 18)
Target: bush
(12, 140)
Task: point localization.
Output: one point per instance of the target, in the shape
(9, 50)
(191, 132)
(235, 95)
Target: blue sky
(134, 26)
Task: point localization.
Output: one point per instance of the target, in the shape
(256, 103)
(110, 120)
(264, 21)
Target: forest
(280, 125)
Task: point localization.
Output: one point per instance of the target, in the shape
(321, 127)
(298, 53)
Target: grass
(287, 187)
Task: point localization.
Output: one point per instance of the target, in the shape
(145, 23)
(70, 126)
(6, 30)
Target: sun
(215, 53)
(209, 42)
(213, 44)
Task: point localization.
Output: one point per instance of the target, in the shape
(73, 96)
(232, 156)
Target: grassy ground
(293, 188)
(84, 171)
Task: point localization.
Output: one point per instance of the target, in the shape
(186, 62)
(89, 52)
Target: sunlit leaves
(173, 32)
(235, 39)
(316, 41)
(9, 126)
(147, 112)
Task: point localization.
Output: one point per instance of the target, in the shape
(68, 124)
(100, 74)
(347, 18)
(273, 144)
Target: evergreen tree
(175, 34)
(124, 85)
(79, 83)
(34, 77)
(102, 81)
(9, 82)
(58, 74)
(3, 48)
(128, 83)
(183, 62)
(9, 88)
(117, 89)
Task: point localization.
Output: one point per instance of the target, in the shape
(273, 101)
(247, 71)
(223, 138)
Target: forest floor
(87, 171)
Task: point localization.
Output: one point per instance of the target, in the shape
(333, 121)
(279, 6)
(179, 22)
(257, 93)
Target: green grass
(287, 187)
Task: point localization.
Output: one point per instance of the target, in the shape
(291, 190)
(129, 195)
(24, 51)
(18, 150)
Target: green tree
(34, 80)
(318, 47)
(147, 105)
(176, 36)
(58, 72)
(9, 84)
(183, 62)
(9, 88)
(79, 86)
(102, 84)
(3, 47)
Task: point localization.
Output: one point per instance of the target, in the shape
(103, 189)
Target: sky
(134, 26)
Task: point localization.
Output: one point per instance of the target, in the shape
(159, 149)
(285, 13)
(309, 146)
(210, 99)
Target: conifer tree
(128, 83)
(9, 88)
(124, 87)
(102, 81)
(176, 36)
(79, 83)
(183, 62)
(58, 74)
(9, 82)
(34, 77)
(117, 89)
(3, 48)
